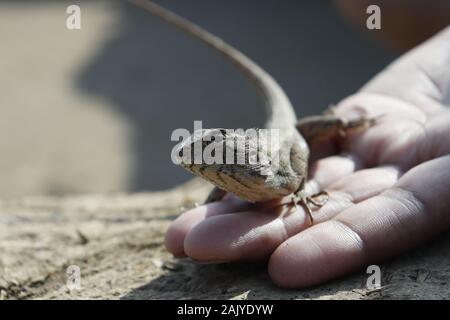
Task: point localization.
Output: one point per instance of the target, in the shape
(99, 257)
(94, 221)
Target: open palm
(389, 185)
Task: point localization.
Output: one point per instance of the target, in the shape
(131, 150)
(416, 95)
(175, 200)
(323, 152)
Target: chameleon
(265, 181)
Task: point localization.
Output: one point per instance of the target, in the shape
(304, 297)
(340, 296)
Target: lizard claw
(318, 200)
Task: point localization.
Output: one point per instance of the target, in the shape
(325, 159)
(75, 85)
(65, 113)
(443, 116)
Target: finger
(402, 142)
(328, 170)
(177, 231)
(324, 172)
(393, 141)
(410, 212)
(420, 77)
(255, 234)
(398, 126)
(356, 188)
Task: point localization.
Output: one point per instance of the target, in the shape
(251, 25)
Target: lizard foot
(318, 200)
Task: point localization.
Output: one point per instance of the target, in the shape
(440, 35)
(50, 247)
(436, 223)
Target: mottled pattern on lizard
(248, 181)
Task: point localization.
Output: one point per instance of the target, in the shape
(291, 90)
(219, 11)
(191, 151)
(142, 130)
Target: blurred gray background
(92, 111)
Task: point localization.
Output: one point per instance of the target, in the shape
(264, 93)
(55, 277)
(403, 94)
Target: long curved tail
(280, 111)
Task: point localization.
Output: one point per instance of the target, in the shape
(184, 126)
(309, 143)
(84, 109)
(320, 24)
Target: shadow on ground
(188, 280)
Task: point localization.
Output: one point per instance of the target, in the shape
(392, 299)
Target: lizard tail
(280, 111)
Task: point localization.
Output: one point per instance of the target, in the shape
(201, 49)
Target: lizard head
(237, 161)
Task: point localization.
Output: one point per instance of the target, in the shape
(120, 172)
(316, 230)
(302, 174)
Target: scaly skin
(275, 179)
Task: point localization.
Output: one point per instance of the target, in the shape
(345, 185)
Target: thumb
(421, 76)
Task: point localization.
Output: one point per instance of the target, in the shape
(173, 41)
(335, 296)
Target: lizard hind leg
(324, 127)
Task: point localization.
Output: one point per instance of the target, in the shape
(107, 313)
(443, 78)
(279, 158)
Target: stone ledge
(117, 241)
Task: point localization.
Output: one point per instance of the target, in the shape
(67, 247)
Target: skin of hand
(389, 185)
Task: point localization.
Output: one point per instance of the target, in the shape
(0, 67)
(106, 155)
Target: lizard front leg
(299, 158)
(318, 200)
(319, 128)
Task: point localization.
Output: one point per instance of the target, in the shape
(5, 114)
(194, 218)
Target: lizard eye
(185, 152)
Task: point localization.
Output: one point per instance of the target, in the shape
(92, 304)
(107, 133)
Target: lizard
(261, 182)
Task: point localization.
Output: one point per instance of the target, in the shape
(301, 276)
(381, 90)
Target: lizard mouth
(203, 147)
(218, 149)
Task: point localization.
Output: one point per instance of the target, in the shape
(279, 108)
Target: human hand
(389, 185)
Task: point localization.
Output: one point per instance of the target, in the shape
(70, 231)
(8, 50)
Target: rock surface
(117, 242)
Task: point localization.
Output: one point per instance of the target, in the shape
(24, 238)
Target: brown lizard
(260, 182)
